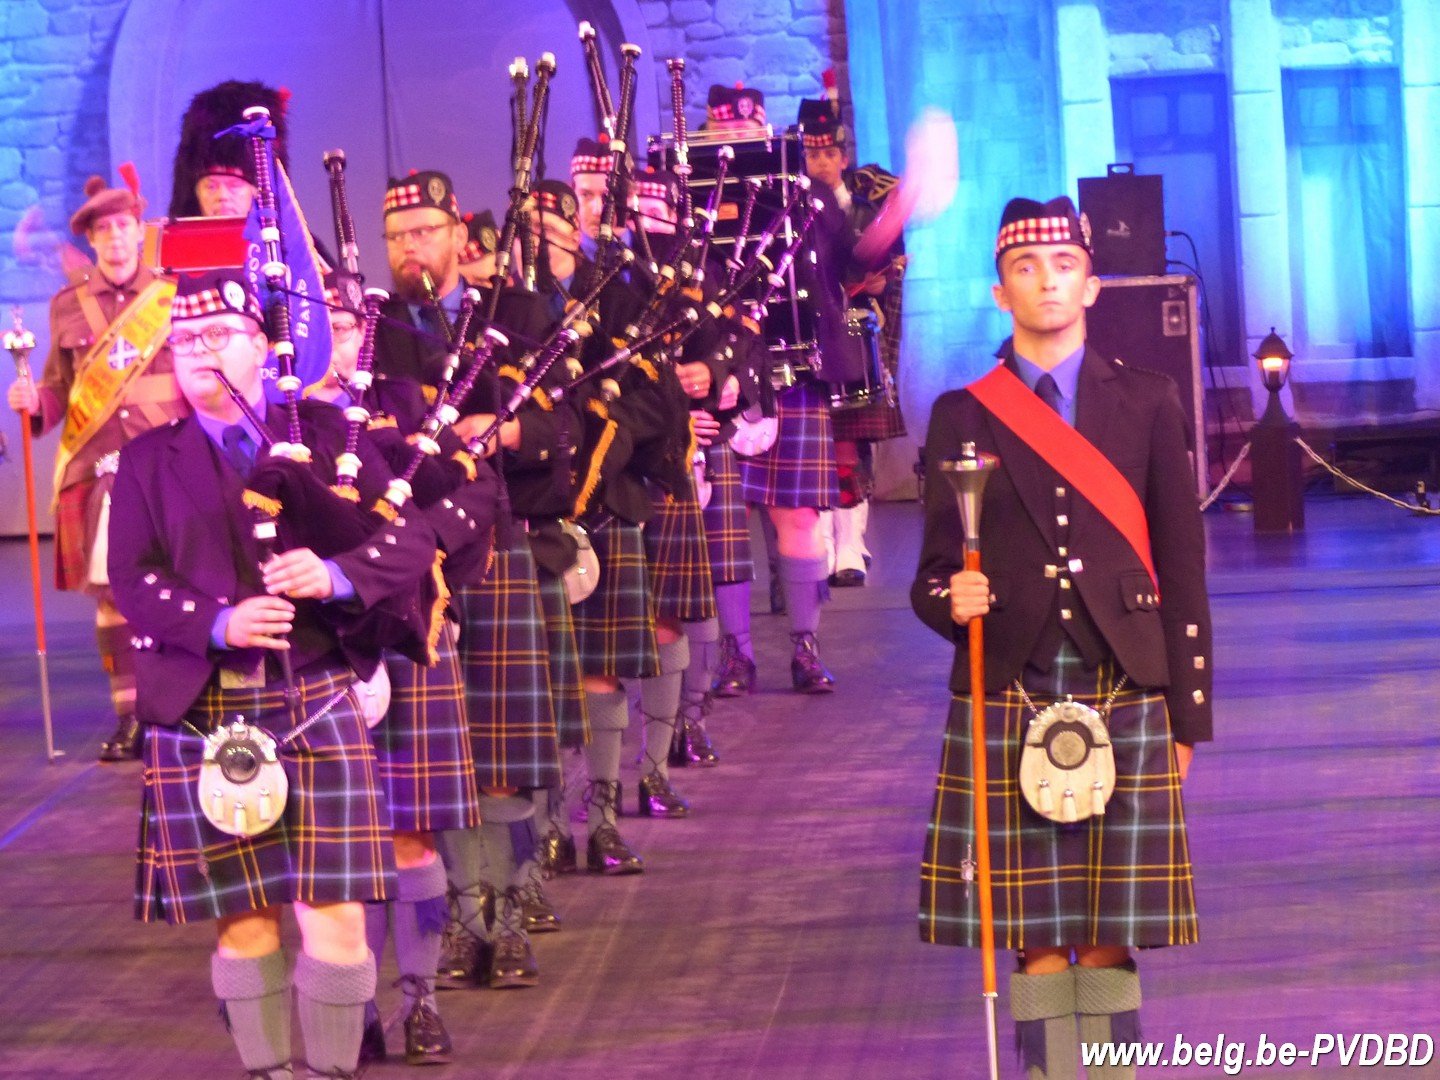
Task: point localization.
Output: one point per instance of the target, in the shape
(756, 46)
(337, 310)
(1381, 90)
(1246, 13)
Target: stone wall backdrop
(1336, 33)
(54, 98)
(1162, 37)
(777, 46)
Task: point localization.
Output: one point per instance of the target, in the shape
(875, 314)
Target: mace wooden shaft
(36, 587)
(980, 777)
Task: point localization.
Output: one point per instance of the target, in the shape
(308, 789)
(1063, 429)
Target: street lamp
(1278, 480)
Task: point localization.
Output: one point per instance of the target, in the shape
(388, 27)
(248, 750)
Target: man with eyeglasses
(211, 623)
(515, 733)
(107, 379)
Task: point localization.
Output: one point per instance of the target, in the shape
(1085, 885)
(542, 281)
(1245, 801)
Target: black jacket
(1134, 418)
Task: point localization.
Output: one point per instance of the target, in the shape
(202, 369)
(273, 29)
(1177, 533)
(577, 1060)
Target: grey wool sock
(331, 999)
(419, 924)
(1107, 1001)
(732, 602)
(805, 591)
(464, 858)
(1043, 1007)
(660, 705)
(704, 639)
(608, 717)
(255, 995)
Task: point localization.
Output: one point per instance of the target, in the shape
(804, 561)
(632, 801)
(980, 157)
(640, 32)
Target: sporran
(1067, 765)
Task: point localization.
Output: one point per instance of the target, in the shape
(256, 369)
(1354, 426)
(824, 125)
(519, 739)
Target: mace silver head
(19, 342)
(967, 475)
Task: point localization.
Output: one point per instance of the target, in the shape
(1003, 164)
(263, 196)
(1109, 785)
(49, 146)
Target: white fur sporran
(373, 695)
(754, 432)
(1067, 766)
(242, 787)
(583, 577)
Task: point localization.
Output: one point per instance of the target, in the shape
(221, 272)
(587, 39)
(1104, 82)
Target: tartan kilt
(677, 558)
(422, 747)
(615, 625)
(567, 692)
(504, 657)
(875, 422)
(799, 470)
(332, 842)
(1123, 878)
(73, 522)
(727, 526)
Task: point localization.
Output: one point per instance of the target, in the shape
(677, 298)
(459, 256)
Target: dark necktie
(1048, 391)
(238, 448)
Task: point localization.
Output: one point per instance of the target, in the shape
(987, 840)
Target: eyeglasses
(343, 330)
(421, 234)
(215, 338)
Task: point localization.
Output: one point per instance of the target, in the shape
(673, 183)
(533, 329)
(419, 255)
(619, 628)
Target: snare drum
(873, 386)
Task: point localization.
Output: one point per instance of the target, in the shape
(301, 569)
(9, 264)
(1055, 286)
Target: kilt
(677, 558)
(615, 625)
(74, 522)
(875, 422)
(422, 747)
(332, 842)
(567, 693)
(727, 526)
(504, 657)
(1123, 878)
(799, 470)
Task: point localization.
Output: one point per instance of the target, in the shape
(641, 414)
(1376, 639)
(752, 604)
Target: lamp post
(1274, 455)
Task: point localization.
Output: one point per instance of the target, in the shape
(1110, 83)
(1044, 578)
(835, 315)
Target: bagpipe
(290, 502)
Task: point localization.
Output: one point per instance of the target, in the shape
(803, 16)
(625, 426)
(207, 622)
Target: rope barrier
(1309, 451)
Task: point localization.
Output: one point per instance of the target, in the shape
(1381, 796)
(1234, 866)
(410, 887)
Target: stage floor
(773, 933)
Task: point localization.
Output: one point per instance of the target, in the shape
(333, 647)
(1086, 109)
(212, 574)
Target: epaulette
(873, 184)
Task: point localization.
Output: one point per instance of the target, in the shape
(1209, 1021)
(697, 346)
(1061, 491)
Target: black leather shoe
(656, 798)
(124, 745)
(372, 1039)
(426, 1040)
(735, 676)
(807, 673)
(557, 854)
(460, 955)
(679, 755)
(698, 747)
(847, 579)
(606, 853)
(692, 745)
(538, 914)
(512, 963)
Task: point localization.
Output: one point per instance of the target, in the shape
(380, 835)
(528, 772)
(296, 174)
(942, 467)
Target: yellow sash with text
(99, 387)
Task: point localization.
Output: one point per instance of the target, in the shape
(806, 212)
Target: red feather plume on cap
(131, 177)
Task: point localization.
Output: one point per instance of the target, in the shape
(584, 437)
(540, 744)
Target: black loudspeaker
(1127, 221)
(1152, 323)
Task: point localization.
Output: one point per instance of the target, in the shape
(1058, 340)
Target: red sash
(1070, 454)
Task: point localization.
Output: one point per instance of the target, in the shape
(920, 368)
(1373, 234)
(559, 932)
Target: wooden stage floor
(773, 934)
